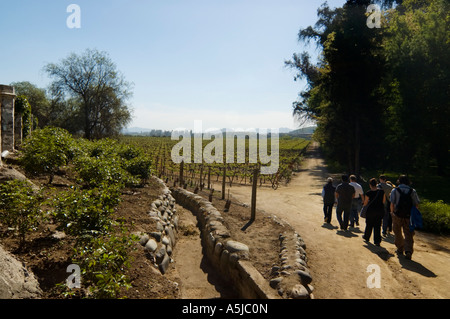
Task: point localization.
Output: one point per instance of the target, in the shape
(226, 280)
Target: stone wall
(229, 257)
(292, 279)
(160, 243)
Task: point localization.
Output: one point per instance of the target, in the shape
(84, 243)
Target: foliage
(95, 171)
(436, 216)
(103, 262)
(40, 105)
(22, 108)
(340, 93)
(19, 207)
(82, 212)
(46, 150)
(417, 51)
(92, 92)
(107, 161)
(380, 96)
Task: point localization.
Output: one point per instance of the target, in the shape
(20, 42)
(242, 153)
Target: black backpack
(405, 203)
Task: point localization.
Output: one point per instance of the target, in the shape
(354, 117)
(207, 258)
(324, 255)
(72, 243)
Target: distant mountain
(131, 130)
(302, 132)
(284, 130)
(147, 131)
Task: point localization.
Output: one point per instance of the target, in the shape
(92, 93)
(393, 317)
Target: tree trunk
(357, 167)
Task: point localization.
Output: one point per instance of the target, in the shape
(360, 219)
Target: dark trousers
(387, 218)
(373, 223)
(346, 210)
(356, 208)
(327, 211)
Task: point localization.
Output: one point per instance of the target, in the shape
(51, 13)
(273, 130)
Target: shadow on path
(414, 266)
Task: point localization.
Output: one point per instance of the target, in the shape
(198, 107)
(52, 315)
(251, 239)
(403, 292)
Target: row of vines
(291, 151)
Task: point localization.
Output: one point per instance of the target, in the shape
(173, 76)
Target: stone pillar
(7, 97)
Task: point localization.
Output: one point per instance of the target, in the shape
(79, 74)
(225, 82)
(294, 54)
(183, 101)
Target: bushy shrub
(436, 216)
(46, 150)
(103, 148)
(82, 212)
(129, 152)
(103, 263)
(138, 166)
(107, 161)
(95, 171)
(19, 207)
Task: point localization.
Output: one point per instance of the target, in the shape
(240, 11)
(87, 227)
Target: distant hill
(132, 130)
(305, 132)
(147, 131)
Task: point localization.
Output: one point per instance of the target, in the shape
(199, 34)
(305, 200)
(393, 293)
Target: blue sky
(218, 61)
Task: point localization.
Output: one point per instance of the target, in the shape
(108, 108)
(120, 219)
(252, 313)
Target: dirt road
(341, 263)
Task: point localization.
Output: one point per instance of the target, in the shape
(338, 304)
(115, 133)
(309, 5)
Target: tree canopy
(379, 95)
(90, 94)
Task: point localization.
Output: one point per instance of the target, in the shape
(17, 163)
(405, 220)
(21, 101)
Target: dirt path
(339, 260)
(198, 279)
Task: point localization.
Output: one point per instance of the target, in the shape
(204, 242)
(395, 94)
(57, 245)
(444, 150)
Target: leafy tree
(37, 97)
(417, 50)
(341, 88)
(22, 109)
(95, 91)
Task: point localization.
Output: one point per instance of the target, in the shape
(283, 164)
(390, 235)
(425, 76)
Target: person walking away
(387, 218)
(328, 200)
(402, 198)
(356, 201)
(374, 199)
(344, 196)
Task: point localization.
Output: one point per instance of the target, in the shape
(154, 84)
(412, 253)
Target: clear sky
(221, 62)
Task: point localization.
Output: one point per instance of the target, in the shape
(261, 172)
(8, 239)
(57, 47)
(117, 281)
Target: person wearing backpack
(402, 199)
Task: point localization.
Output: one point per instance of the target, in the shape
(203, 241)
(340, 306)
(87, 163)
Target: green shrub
(46, 150)
(138, 166)
(129, 152)
(105, 147)
(103, 263)
(107, 161)
(95, 171)
(19, 207)
(436, 216)
(86, 212)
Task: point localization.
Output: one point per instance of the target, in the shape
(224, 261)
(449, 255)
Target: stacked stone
(292, 277)
(159, 244)
(218, 243)
(228, 257)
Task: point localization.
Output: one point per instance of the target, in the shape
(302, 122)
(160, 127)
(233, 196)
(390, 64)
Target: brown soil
(189, 276)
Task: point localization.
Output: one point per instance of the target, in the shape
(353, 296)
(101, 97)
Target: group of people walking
(384, 206)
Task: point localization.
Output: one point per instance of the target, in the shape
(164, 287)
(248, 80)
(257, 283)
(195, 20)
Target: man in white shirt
(356, 202)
